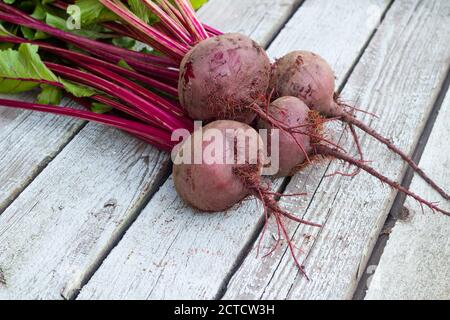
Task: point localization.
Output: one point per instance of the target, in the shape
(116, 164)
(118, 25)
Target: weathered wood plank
(53, 234)
(28, 141)
(60, 228)
(415, 261)
(259, 19)
(398, 78)
(172, 251)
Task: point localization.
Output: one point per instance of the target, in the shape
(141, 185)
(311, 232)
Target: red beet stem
(194, 24)
(155, 136)
(176, 15)
(160, 117)
(77, 57)
(15, 16)
(172, 107)
(121, 107)
(170, 24)
(159, 40)
(212, 31)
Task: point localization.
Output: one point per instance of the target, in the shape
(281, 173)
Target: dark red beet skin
(221, 76)
(292, 112)
(309, 77)
(213, 186)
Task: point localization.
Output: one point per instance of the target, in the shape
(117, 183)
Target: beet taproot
(307, 123)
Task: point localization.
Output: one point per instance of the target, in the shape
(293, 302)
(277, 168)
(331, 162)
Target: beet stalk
(155, 136)
(79, 58)
(103, 50)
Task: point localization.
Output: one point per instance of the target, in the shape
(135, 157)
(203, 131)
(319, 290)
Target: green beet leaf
(50, 95)
(19, 66)
(23, 63)
(100, 108)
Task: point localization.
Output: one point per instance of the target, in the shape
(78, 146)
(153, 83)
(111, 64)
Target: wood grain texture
(55, 232)
(338, 31)
(28, 142)
(61, 227)
(398, 78)
(415, 262)
(261, 20)
(172, 251)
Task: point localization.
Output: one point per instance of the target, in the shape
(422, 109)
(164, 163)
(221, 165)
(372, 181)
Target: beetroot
(294, 143)
(223, 75)
(309, 77)
(290, 111)
(228, 170)
(216, 176)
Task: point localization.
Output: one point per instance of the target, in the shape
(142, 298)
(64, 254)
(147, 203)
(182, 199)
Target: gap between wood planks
(397, 211)
(248, 247)
(282, 26)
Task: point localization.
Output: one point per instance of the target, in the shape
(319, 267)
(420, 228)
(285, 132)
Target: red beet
(289, 111)
(223, 75)
(228, 170)
(309, 77)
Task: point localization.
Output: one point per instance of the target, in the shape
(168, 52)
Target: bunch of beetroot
(229, 81)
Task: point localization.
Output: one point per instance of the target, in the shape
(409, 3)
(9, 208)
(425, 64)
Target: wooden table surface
(88, 212)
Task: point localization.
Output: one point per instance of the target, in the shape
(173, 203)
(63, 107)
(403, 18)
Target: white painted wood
(172, 251)
(100, 180)
(398, 78)
(415, 264)
(261, 20)
(54, 233)
(335, 30)
(28, 141)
